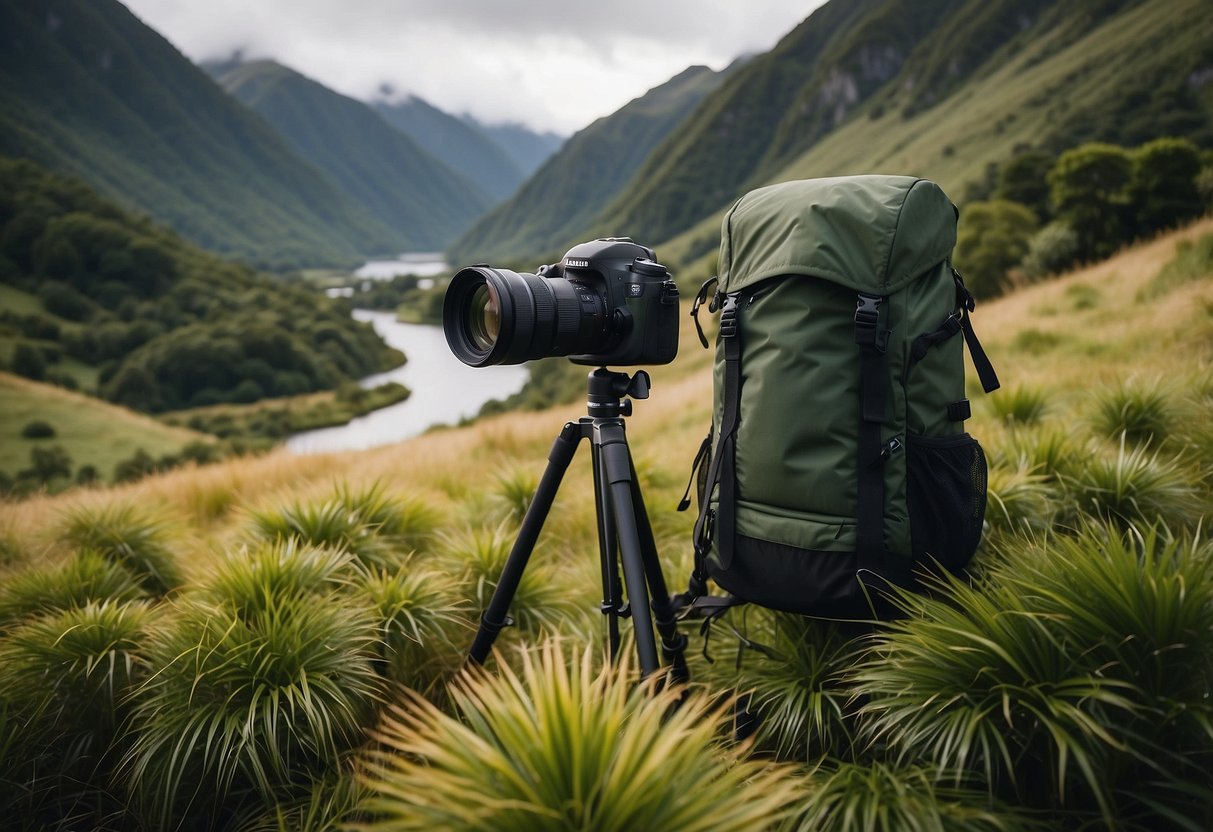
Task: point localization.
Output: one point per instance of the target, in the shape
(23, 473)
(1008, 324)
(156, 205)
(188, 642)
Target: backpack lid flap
(873, 234)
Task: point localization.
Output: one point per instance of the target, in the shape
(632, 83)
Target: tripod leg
(612, 590)
(495, 617)
(617, 465)
(673, 642)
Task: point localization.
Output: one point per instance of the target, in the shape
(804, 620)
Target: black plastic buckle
(868, 331)
(728, 318)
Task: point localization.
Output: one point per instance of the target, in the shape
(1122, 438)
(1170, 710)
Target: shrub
(993, 239)
(560, 746)
(38, 429)
(28, 361)
(1054, 249)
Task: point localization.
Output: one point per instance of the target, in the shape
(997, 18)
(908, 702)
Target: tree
(48, 463)
(1164, 190)
(1088, 190)
(992, 239)
(1023, 180)
(29, 361)
(134, 386)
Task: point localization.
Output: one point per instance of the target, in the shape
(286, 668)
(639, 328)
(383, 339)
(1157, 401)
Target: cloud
(552, 65)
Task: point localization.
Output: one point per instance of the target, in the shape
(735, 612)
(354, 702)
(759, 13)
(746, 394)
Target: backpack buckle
(728, 318)
(868, 329)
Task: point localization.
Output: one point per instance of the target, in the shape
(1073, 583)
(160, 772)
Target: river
(444, 389)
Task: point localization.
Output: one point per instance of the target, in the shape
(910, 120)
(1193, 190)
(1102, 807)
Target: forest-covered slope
(424, 202)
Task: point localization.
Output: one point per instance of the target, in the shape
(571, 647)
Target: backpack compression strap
(872, 336)
(722, 469)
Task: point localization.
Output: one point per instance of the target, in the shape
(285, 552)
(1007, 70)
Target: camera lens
(496, 316)
(484, 317)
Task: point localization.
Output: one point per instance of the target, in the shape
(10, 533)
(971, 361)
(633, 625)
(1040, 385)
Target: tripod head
(606, 390)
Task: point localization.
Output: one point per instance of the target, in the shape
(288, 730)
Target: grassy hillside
(1104, 418)
(557, 204)
(424, 202)
(94, 434)
(1058, 83)
(86, 89)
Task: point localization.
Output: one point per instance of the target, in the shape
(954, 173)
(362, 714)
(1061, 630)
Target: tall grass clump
(86, 577)
(379, 530)
(252, 581)
(65, 684)
(795, 680)
(418, 623)
(128, 536)
(476, 555)
(1141, 413)
(1048, 451)
(560, 745)
(878, 797)
(1019, 405)
(1073, 678)
(244, 707)
(1136, 487)
(1018, 500)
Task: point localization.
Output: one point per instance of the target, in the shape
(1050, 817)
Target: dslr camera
(607, 301)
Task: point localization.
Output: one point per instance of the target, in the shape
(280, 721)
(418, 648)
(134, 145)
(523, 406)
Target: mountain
(947, 90)
(89, 90)
(461, 146)
(529, 149)
(560, 201)
(423, 202)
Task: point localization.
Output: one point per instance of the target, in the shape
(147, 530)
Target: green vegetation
(163, 325)
(224, 648)
(262, 424)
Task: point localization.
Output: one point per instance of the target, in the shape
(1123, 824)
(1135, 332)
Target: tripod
(624, 534)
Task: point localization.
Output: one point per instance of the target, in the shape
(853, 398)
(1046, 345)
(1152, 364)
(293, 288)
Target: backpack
(837, 461)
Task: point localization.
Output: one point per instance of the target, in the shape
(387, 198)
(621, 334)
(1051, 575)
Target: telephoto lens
(496, 316)
(606, 302)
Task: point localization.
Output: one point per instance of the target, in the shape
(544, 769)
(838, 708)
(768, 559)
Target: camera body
(606, 302)
(620, 284)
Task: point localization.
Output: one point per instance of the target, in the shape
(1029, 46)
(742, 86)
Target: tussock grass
(1137, 487)
(242, 705)
(1018, 499)
(1142, 412)
(562, 745)
(884, 798)
(87, 577)
(1019, 405)
(130, 536)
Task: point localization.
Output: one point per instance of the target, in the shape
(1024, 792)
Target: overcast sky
(552, 65)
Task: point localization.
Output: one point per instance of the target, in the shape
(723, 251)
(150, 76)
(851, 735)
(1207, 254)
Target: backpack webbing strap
(981, 362)
(722, 469)
(872, 336)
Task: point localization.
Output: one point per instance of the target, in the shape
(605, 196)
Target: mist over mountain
(423, 201)
(559, 202)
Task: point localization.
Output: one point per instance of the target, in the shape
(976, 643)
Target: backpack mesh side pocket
(946, 497)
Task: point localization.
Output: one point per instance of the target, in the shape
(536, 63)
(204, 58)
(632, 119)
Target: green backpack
(839, 460)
